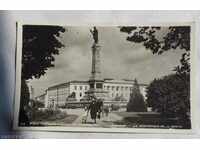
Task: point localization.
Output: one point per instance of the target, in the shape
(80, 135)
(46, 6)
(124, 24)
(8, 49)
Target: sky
(120, 59)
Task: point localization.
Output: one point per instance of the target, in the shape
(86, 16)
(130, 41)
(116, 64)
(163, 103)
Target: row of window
(58, 91)
(117, 88)
(118, 94)
(62, 95)
(80, 87)
(81, 94)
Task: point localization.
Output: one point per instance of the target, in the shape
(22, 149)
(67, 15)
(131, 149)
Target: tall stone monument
(96, 81)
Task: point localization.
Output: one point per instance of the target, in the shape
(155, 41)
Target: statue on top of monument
(95, 34)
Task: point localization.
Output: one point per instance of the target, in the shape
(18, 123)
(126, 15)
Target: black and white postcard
(96, 78)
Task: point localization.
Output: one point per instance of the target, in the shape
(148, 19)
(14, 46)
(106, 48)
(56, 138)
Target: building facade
(75, 91)
(121, 88)
(60, 94)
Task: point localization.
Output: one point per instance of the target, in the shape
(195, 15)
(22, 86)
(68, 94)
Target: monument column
(96, 81)
(96, 63)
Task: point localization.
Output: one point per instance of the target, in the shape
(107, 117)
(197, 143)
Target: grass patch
(47, 115)
(149, 120)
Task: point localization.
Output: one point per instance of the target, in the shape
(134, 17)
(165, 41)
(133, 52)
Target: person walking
(99, 106)
(85, 115)
(93, 110)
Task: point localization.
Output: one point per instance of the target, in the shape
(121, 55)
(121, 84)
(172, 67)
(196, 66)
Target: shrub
(136, 102)
(170, 96)
(74, 106)
(47, 115)
(115, 107)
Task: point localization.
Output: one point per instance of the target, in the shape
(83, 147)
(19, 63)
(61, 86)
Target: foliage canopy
(40, 44)
(136, 102)
(175, 37)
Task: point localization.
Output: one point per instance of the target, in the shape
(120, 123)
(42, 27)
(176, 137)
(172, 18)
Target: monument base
(98, 94)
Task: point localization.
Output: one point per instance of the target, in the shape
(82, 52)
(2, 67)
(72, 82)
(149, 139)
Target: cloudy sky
(120, 59)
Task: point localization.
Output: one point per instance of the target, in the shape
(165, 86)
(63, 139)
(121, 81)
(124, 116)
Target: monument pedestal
(96, 89)
(95, 81)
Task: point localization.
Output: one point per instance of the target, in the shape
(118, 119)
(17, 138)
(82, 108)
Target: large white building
(74, 91)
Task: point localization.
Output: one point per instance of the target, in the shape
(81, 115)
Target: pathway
(105, 121)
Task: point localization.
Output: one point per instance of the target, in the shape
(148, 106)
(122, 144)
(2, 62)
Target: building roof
(123, 81)
(39, 96)
(108, 80)
(65, 84)
(57, 85)
(76, 81)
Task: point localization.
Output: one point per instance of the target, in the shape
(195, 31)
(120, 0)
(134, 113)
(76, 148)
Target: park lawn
(68, 119)
(147, 119)
(137, 114)
(138, 118)
(50, 117)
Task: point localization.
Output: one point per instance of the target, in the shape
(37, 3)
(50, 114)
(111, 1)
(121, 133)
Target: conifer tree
(136, 102)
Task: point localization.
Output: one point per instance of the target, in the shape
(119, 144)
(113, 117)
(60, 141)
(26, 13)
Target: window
(91, 86)
(99, 85)
(80, 94)
(113, 88)
(75, 87)
(80, 87)
(117, 88)
(85, 87)
(108, 87)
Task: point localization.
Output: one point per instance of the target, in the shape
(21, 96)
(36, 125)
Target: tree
(170, 96)
(24, 100)
(40, 44)
(176, 37)
(162, 95)
(136, 102)
(37, 104)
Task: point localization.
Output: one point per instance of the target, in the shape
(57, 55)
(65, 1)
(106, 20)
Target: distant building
(121, 88)
(74, 91)
(41, 98)
(60, 94)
